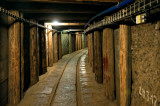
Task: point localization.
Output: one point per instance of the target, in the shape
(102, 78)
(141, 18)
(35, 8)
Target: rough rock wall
(145, 65)
(65, 43)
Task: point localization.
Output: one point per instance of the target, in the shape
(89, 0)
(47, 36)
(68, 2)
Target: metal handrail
(129, 11)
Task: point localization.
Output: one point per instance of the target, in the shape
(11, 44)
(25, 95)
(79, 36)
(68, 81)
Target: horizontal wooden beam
(43, 11)
(68, 27)
(66, 24)
(69, 1)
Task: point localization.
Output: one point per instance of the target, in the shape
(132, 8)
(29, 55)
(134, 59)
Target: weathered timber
(89, 48)
(98, 57)
(14, 60)
(117, 63)
(80, 42)
(92, 50)
(55, 47)
(22, 58)
(34, 73)
(76, 41)
(108, 63)
(43, 52)
(50, 48)
(125, 89)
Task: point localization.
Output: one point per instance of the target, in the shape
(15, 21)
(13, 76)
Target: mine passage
(79, 53)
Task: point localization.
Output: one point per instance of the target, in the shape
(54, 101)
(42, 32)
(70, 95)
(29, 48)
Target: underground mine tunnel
(79, 52)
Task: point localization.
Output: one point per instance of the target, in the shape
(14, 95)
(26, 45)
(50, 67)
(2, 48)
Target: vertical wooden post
(125, 76)
(50, 47)
(92, 51)
(117, 63)
(59, 46)
(14, 60)
(47, 47)
(80, 41)
(33, 55)
(44, 55)
(89, 48)
(22, 58)
(108, 63)
(37, 51)
(55, 47)
(76, 42)
(98, 57)
(70, 43)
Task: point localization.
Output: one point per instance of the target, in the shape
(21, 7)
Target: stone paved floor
(41, 94)
(90, 93)
(66, 91)
(70, 82)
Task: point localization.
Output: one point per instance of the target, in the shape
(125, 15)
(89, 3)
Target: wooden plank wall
(108, 63)
(34, 70)
(98, 57)
(14, 60)
(55, 47)
(125, 72)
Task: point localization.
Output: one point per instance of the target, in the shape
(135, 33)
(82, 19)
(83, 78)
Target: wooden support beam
(80, 41)
(50, 48)
(22, 56)
(98, 2)
(92, 51)
(76, 41)
(108, 63)
(14, 60)
(59, 46)
(55, 47)
(89, 48)
(34, 72)
(98, 56)
(125, 74)
(43, 51)
(117, 64)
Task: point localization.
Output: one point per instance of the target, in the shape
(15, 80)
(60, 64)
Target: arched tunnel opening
(79, 52)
